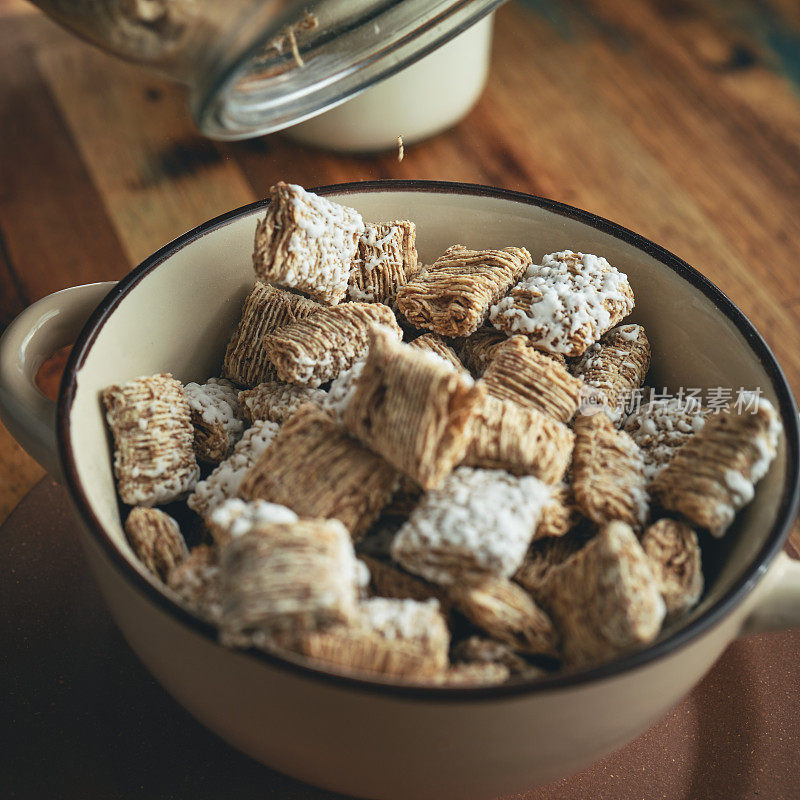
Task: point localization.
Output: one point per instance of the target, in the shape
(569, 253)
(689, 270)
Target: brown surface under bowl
(81, 717)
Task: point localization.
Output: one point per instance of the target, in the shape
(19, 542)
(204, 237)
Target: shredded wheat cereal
(276, 402)
(281, 578)
(543, 555)
(507, 613)
(223, 482)
(661, 427)
(235, 517)
(674, 554)
(315, 468)
(390, 580)
(216, 416)
(266, 309)
(451, 535)
(714, 474)
(520, 373)
(315, 350)
(154, 460)
(341, 390)
(566, 303)
(411, 409)
(560, 515)
(477, 350)
(307, 242)
(156, 539)
(608, 473)
(403, 638)
(387, 255)
(452, 297)
(196, 582)
(480, 650)
(616, 366)
(433, 343)
(604, 599)
(474, 674)
(522, 441)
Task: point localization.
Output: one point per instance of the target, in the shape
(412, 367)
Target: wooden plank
(54, 231)
(265, 160)
(158, 176)
(19, 473)
(598, 146)
(733, 166)
(54, 228)
(16, 8)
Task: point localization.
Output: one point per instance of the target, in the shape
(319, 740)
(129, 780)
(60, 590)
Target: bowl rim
(788, 508)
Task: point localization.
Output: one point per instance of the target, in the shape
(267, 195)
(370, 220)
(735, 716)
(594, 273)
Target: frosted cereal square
(307, 242)
(566, 303)
(386, 257)
(452, 535)
(224, 481)
(150, 420)
(217, 418)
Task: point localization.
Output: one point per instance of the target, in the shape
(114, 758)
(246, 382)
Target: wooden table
(677, 119)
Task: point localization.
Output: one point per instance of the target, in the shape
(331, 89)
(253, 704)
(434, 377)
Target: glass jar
(257, 66)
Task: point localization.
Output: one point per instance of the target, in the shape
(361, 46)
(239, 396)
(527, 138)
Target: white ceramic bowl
(366, 737)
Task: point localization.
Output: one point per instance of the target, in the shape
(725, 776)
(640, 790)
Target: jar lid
(278, 69)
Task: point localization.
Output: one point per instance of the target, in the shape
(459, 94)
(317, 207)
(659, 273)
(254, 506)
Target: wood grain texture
(677, 118)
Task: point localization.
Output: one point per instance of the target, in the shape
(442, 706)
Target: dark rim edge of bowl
(790, 500)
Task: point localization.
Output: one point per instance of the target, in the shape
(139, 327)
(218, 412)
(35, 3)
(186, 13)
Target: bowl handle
(777, 602)
(38, 332)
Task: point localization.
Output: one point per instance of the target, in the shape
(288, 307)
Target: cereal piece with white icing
(315, 468)
(674, 554)
(522, 441)
(518, 372)
(235, 517)
(452, 535)
(566, 303)
(616, 366)
(411, 409)
(608, 473)
(156, 539)
(266, 309)
(217, 418)
(402, 638)
(604, 600)
(307, 242)
(317, 349)
(276, 401)
(506, 612)
(224, 481)
(714, 474)
(154, 460)
(453, 296)
(386, 257)
(286, 577)
(662, 427)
